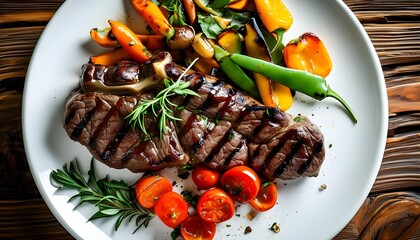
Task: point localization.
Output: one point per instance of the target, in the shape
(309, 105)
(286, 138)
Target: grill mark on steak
(233, 153)
(104, 122)
(134, 151)
(296, 144)
(82, 124)
(220, 144)
(305, 165)
(198, 144)
(113, 145)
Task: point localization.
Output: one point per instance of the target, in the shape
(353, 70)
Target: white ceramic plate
(353, 151)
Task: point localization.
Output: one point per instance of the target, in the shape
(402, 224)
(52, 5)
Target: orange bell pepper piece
(238, 5)
(275, 16)
(272, 94)
(129, 42)
(154, 17)
(308, 53)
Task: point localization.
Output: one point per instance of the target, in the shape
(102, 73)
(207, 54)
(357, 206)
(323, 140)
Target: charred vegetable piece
(309, 84)
(272, 94)
(104, 38)
(130, 42)
(308, 53)
(111, 57)
(189, 7)
(275, 16)
(204, 65)
(223, 22)
(182, 38)
(202, 46)
(235, 73)
(154, 17)
(230, 40)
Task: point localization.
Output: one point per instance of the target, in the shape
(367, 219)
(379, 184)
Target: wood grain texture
(392, 210)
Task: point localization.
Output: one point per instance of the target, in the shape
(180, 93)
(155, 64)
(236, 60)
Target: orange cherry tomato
(171, 209)
(205, 177)
(150, 188)
(215, 206)
(266, 198)
(195, 228)
(241, 183)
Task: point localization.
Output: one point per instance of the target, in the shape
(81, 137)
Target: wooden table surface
(392, 209)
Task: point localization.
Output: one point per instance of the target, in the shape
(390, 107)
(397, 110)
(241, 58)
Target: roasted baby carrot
(154, 17)
(103, 38)
(189, 7)
(129, 42)
(111, 57)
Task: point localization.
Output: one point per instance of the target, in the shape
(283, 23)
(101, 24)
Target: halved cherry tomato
(171, 209)
(266, 198)
(150, 188)
(205, 177)
(241, 183)
(215, 206)
(195, 228)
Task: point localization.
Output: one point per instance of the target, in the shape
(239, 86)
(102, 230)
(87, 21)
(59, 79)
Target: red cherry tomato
(241, 183)
(172, 209)
(150, 188)
(215, 206)
(266, 198)
(195, 228)
(205, 177)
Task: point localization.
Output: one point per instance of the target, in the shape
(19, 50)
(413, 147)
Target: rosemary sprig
(160, 106)
(111, 197)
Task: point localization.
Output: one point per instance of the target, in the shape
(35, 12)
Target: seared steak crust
(221, 128)
(97, 121)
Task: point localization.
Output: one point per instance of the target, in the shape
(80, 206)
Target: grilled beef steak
(97, 121)
(222, 128)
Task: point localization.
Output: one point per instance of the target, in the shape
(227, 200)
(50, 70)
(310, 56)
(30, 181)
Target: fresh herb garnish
(111, 197)
(176, 12)
(161, 106)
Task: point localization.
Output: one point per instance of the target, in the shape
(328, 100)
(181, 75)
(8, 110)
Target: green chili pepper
(235, 73)
(301, 81)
